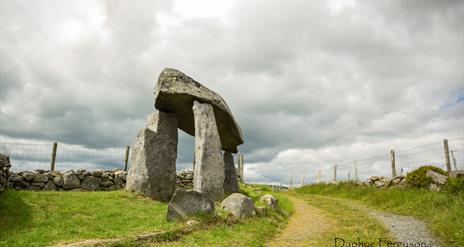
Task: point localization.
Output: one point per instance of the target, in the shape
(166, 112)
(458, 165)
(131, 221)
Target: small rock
(186, 203)
(90, 183)
(58, 180)
(71, 181)
(261, 210)
(97, 173)
(437, 178)
(50, 186)
(239, 205)
(270, 201)
(39, 178)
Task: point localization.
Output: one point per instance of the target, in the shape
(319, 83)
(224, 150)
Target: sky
(311, 83)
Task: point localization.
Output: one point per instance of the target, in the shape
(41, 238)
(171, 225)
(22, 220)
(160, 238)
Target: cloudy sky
(310, 82)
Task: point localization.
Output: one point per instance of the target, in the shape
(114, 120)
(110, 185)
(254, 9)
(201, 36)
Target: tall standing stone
(209, 163)
(230, 179)
(153, 158)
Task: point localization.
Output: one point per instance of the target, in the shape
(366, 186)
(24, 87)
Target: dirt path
(306, 223)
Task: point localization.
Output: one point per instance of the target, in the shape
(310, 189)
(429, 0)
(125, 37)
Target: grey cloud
(297, 76)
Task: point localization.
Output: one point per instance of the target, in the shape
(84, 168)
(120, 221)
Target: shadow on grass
(14, 213)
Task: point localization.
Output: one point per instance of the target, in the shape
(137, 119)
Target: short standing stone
(153, 158)
(186, 203)
(230, 179)
(90, 183)
(70, 181)
(239, 205)
(209, 164)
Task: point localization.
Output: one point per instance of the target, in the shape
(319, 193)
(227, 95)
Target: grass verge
(29, 218)
(442, 212)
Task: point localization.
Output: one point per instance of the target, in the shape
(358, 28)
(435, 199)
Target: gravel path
(406, 229)
(307, 222)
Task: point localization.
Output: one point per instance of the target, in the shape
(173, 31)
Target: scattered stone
(437, 178)
(270, 201)
(239, 205)
(71, 181)
(153, 158)
(209, 163)
(186, 203)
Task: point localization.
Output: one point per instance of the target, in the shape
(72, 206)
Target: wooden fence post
(291, 182)
(126, 157)
(335, 173)
(280, 187)
(302, 179)
(356, 177)
(318, 176)
(393, 162)
(240, 166)
(52, 163)
(447, 155)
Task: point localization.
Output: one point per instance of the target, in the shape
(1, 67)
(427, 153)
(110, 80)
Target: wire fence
(405, 161)
(28, 157)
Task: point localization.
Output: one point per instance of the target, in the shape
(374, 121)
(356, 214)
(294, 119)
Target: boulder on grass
(239, 205)
(186, 203)
(270, 201)
(437, 178)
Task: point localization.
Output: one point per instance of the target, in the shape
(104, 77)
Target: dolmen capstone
(184, 103)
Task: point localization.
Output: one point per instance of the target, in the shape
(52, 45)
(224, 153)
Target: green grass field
(441, 211)
(29, 218)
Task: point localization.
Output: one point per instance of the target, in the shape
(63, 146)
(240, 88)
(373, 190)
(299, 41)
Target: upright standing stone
(153, 160)
(230, 179)
(209, 165)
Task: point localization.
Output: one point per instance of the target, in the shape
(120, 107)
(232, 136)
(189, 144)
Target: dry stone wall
(4, 172)
(81, 180)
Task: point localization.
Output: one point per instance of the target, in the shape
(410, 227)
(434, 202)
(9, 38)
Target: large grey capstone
(239, 205)
(70, 181)
(175, 92)
(230, 173)
(209, 164)
(186, 203)
(153, 158)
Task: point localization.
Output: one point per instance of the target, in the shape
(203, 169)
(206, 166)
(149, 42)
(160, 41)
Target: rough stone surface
(457, 173)
(58, 180)
(4, 172)
(270, 201)
(437, 178)
(239, 205)
(230, 174)
(209, 163)
(39, 178)
(50, 186)
(153, 158)
(90, 183)
(186, 203)
(71, 181)
(176, 92)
